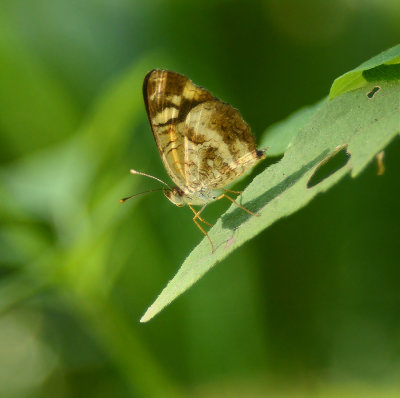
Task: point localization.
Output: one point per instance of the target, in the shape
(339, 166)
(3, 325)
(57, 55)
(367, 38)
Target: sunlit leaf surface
(340, 137)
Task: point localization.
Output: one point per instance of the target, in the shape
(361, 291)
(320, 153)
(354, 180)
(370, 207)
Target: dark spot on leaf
(329, 166)
(373, 92)
(230, 242)
(380, 164)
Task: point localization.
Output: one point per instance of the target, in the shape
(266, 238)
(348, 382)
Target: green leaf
(340, 138)
(35, 107)
(277, 137)
(385, 66)
(358, 77)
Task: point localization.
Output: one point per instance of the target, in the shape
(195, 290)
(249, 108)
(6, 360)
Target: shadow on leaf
(234, 219)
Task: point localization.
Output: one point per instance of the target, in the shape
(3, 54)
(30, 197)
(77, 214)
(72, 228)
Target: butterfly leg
(197, 215)
(237, 204)
(228, 190)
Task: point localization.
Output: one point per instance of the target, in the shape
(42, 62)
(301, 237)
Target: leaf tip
(152, 311)
(146, 316)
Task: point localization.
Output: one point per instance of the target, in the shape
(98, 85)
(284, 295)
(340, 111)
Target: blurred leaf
(35, 107)
(278, 136)
(259, 387)
(56, 185)
(121, 103)
(340, 138)
(25, 361)
(356, 78)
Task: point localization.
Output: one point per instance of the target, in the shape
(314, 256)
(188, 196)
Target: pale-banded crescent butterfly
(203, 142)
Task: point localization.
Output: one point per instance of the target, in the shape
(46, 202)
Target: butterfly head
(176, 196)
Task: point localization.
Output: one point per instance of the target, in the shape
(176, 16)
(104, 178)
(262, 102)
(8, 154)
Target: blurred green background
(311, 307)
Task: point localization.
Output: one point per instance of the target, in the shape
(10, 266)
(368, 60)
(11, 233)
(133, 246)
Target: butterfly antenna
(132, 171)
(138, 194)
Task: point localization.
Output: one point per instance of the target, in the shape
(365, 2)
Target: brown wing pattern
(221, 143)
(169, 97)
(203, 142)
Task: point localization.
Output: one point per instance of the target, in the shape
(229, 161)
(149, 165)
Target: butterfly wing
(203, 142)
(221, 144)
(169, 97)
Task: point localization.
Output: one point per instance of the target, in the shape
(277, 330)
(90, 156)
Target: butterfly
(204, 143)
